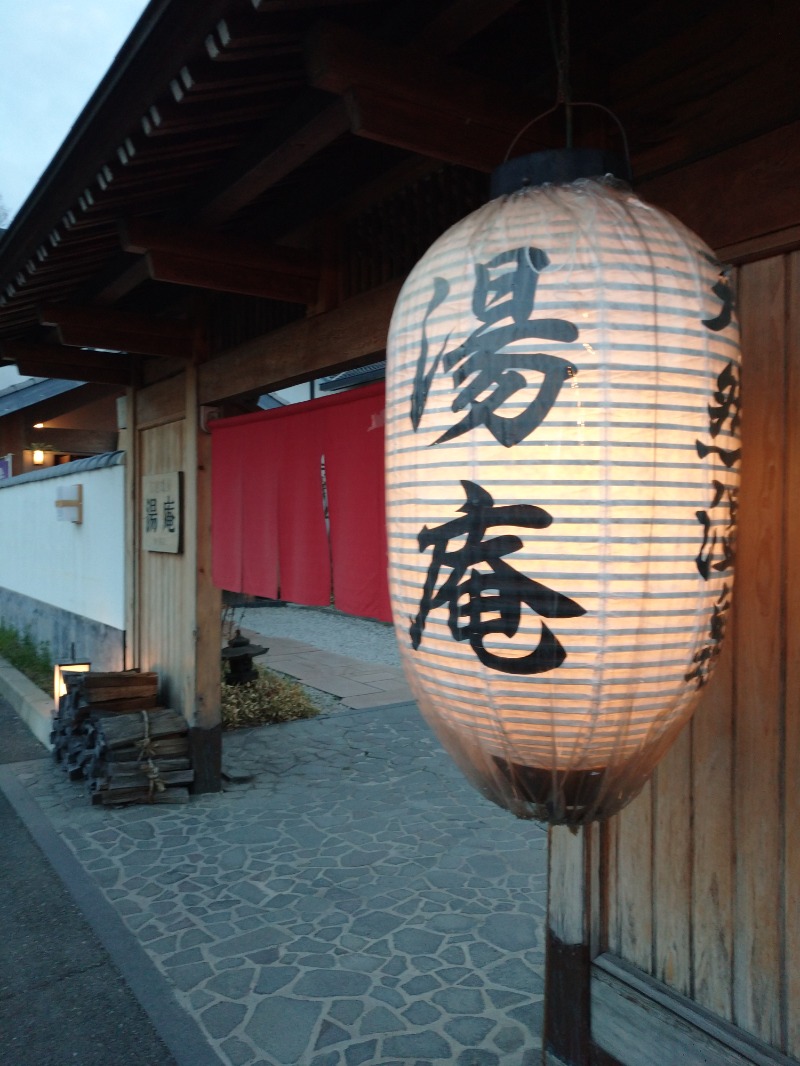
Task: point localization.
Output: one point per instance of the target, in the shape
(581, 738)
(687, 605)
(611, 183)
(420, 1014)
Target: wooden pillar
(129, 441)
(567, 1029)
(173, 610)
(202, 701)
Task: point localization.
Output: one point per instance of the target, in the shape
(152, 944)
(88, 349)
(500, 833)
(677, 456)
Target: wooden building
(235, 210)
(63, 420)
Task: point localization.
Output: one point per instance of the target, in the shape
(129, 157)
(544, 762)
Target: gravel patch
(325, 628)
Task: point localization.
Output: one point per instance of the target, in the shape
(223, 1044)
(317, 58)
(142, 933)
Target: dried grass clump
(267, 700)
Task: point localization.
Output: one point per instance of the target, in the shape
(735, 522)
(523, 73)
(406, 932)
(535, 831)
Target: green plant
(31, 659)
(266, 700)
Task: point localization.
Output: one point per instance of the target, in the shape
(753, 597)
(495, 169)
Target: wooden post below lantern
(567, 1032)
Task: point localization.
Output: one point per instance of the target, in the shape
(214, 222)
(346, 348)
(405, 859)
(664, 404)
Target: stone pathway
(352, 901)
(357, 684)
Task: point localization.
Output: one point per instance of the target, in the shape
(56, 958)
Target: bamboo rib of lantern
(562, 434)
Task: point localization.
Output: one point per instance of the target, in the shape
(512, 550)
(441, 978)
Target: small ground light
(59, 682)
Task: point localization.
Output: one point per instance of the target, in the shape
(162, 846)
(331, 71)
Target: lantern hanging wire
(560, 41)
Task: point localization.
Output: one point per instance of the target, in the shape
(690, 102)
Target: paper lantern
(562, 435)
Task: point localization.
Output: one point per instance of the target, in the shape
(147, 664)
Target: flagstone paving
(348, 899)
(358, 684)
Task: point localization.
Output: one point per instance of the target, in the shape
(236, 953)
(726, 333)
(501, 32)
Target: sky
(54, 53)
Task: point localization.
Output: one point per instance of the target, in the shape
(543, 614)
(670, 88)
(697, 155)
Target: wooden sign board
(162, 507)
(69, 504)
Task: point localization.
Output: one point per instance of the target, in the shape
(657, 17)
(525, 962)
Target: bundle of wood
(73, 732)
(110, 730)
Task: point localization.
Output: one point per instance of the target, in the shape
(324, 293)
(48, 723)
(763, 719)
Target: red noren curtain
(269, 528)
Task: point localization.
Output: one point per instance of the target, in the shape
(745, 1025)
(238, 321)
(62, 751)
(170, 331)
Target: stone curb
(31, 704)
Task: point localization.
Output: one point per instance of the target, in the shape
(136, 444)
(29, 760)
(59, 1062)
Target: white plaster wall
(79, 568)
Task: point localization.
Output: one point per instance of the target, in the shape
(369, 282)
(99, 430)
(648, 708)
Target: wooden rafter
(57, 361)
(338, 59)
(478, 141)
(118, 331)
(143, 235)
(308, 348)
(460, 21)
(204, 273)
(231, 41)
(269, 6)
(413, 101)
(248, 180)
(221, 263)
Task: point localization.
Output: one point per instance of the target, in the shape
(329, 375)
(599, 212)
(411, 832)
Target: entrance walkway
(354, 659)
(359, 684)
(348, 899)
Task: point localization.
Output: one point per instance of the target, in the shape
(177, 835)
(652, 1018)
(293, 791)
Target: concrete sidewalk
(350, 900)
(62, 999)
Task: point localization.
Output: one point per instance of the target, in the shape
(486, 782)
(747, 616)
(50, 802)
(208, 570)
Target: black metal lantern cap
(557, 166)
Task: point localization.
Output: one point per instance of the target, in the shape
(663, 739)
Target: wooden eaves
(289, 160)
(193, 167)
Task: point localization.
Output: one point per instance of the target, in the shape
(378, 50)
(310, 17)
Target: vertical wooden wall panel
(759, 647)
(792, 653)
(610, 937)
(597, 864)
(712, 839)
(565, 878)
(634, 880)
(207, 631)
(165, 630)
(672, 867)
(702, 872)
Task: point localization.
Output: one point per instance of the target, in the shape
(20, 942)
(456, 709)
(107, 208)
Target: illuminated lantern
(60, 670)
(562, 434)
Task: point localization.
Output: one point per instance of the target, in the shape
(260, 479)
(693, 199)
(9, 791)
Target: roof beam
(414, 101)
(232, 40)
(258, 167)
(270, 6)
(338, 59)
(460, 22)
(145, 235)
(177, 269)
(247, 178)
(118, 331)
(476, 141)
(56, 361)
(216, 261)
(350, 335)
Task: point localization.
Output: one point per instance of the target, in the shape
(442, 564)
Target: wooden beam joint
(216, 261)
(69, 364)
(118, 331)
(417, 102)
